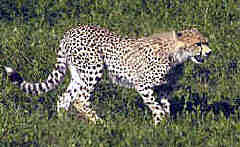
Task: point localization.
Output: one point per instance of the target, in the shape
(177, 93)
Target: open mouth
(205, 52)
(198, 59)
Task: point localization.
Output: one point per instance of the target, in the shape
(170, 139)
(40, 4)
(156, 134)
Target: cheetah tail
(53, 80)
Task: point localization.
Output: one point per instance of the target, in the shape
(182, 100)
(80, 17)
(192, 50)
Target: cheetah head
(191, 44)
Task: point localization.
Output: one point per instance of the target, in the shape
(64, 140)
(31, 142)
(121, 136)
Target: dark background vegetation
(205, 110)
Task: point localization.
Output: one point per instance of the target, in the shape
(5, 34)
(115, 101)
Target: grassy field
(205, 100)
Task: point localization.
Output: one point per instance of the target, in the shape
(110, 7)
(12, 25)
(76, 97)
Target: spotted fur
(133, 63)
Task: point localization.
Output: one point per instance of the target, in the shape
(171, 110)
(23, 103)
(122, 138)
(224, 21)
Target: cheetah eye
(179, 34)
(206, 43)
(199, 44)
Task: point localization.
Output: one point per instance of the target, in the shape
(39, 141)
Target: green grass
(205, 110)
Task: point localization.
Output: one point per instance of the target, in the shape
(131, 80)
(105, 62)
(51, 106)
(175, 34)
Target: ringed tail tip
(13, 75)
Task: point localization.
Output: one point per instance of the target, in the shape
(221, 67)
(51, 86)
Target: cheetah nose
(208, 53)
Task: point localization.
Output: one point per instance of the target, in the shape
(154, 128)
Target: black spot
(36, 92)
(50, 81)
(145, 95)
(24, 89)
(61, 69)
(45, 90)
(56, 74)
(97, 79)
(57, 81)
(40, 87)
(29, 89)
(41, 100)
(34, 88)
(90, 79)
(15, 77)
(47, 86)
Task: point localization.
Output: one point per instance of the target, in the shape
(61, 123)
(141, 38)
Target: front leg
(159, 111)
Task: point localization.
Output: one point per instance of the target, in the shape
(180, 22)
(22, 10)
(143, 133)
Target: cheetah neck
(180, 56)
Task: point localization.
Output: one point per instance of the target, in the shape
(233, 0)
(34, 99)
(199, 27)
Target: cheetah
(141, 64)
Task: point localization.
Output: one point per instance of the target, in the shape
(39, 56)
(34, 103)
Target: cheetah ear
(179, 43)
(174, 35)
(177, 34)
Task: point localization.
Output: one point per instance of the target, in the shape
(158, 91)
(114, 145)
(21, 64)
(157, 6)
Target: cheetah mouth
(197, 59)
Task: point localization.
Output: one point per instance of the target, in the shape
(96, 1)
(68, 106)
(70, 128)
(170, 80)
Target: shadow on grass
(200, 103)
(194, 103)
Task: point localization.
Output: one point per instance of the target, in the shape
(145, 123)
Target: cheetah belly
(119, 76)
(122, 80)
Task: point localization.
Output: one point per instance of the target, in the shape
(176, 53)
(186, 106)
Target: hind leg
(66, 98)
(86, 68)
(80, 91)
(79, 95)
(86, 73)
(83, 105)
(92, 74)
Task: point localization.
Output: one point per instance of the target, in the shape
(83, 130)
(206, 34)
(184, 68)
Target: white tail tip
(8, 69)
